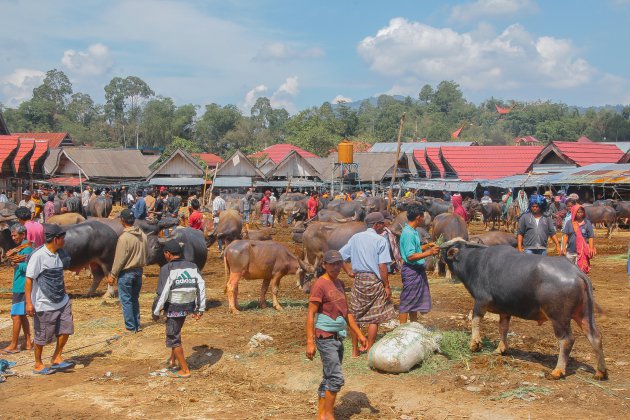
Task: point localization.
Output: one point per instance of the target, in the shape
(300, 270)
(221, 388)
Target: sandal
(65, 365)
(45, 371)
(175, 374)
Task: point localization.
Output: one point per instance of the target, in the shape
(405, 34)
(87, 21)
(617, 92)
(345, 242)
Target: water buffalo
(65, 219)
(622, 208)
(72, 205)
(258, 235)
(491, 212)
(435, 206)
(372, 204)
(291, 197)
(319, 237)
(540, 289)
(327, 215)
(602, 214)
(228, 229)
(298, 232)
(192, 241)
(353, 209)
(266, 260)
(495, 238)
(91, 244)
(296, 210)
(100, 206)
(401, 220)
(447, 226)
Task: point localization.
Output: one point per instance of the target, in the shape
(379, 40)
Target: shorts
(174, 331)
(51, 324)
(18, 304)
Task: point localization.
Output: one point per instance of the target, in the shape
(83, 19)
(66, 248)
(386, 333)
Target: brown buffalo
(257, 235)
(447, 226)
(319, 237)
(491, 212)
(228, 229)
(266, 260)
(494, 238)
(65, 219)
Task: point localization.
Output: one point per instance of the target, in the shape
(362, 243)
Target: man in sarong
(370, 298)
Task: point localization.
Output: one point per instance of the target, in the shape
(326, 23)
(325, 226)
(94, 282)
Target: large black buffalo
(503, 281)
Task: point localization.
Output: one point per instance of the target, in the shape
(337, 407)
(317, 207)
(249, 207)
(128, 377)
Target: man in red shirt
(265, 209)
(312, 205)
(195, 219)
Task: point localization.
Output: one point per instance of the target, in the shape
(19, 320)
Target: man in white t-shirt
(47, 301)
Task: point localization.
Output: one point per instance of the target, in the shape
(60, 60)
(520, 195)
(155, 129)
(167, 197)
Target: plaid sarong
(367, 300)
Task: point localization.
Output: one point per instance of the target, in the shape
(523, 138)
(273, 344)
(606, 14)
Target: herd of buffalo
(541, 289)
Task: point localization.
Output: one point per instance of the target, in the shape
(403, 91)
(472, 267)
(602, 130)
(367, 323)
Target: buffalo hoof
(475, 346)
(277, 307)
(262, 305)
(501, 349)
(555, 374)
(601, 376)
(235, 310)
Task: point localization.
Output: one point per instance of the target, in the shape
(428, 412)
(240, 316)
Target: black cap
(173, 247)
(127, 216)
(53, 231)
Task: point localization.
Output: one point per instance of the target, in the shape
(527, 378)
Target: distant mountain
(618, 109)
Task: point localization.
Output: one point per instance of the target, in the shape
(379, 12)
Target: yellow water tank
(344, 152)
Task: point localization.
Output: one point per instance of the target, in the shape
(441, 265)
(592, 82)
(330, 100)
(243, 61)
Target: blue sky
(302, 53)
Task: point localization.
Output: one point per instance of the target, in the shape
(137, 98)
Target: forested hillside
(133, 114)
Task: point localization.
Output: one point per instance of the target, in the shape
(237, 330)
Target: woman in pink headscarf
(458, 207)
(578, 239)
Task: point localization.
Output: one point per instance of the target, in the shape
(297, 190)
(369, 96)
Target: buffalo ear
(453, 254)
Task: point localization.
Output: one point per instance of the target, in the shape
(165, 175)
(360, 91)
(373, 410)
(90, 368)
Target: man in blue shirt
(370, 298)
(140, 207)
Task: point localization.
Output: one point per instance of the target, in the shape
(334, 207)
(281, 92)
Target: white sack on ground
(403, 348)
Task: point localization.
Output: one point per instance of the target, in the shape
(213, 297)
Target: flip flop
(174, 374)
(65, 365)
(45, 371)
(5, 351)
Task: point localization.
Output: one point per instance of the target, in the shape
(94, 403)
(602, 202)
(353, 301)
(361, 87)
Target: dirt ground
(231, 380)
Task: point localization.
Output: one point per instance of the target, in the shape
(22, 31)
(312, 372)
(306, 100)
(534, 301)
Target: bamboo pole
(391, 187)
(214, 177)
(205, 186)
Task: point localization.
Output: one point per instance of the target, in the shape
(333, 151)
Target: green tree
(124, 100)
(157, 122)
(214, 125)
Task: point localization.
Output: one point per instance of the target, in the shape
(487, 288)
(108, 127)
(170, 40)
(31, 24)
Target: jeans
(246, 214)
(129, 285)
(536, 251)
(331, 353)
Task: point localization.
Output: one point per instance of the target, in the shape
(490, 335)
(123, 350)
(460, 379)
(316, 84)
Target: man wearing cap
(28, 203)
(326, 324)
(47, 301)
(370, 299)
(130, 257)
(181, 292)
(265, 209)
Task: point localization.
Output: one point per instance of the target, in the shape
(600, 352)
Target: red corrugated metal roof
(7, 145)
(54, 139)
(433, 155)
(422, 160)
(277, 152)
(489, 162)
(41, 147)
(26, 146)
(67, 181)
(584, 139)
(209, 159)
(585, 153)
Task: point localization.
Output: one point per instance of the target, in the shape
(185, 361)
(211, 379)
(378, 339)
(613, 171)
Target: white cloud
(413, 53)
(18, 86)
(286, 93)
(280, 51)
(251, 96)
(93, 62)
(491, 9)
(340, 98)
